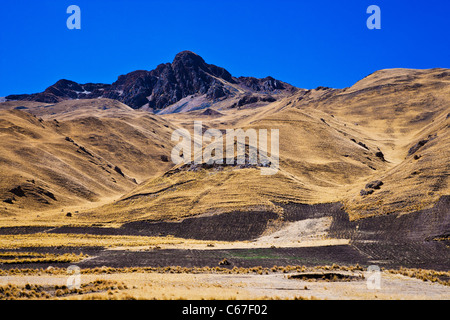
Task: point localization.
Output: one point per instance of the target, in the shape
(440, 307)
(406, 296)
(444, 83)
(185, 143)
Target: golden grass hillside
(391, 126)
(406, 113)
(332, 144)
(85, 157)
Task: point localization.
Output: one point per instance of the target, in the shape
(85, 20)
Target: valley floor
(315, 252)
(213, 285)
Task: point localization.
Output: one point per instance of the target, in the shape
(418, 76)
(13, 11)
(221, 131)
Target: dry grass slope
(392, 127)
(84, 158)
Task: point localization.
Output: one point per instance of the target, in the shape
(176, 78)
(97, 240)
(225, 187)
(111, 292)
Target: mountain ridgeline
(187, 76)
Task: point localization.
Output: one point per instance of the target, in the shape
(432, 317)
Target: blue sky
(305, 43)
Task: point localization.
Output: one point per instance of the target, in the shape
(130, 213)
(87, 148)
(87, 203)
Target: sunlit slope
(47, 164)
(318, 160)
(391, 106)
(332, 144)
(397, 109)
(414, 183)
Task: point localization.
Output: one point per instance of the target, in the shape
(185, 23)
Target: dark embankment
(232, 226)
(415, 240)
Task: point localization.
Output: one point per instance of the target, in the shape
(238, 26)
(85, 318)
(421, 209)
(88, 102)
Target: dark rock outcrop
(380, 155)
(365, 192)
(119, 171)
(18, 191)
(157, 89)
(211, 112)
(417, 146)
(9, 200)
(249, 99)
(64, 90)
(420, 144)
(374, 184)
(363, 145)
(267, 84)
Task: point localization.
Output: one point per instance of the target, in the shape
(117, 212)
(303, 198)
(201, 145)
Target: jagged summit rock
(167, 84)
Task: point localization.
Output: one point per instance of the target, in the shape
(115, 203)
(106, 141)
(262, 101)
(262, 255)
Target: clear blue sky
(306, 43)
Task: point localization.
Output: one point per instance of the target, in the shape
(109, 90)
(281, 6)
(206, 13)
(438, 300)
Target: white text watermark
(230, 148)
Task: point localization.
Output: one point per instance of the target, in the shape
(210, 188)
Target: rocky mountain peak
(189, 59)
(187, 75)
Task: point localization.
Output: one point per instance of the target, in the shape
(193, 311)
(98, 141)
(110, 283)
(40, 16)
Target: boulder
(374, 184)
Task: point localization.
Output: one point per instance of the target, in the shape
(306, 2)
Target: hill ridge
(155, 90)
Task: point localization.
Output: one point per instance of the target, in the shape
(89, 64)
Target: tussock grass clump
(183, 270)
(441, 277)
(33, 291)
(84, 240)
(29, 291)
(34, 257)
